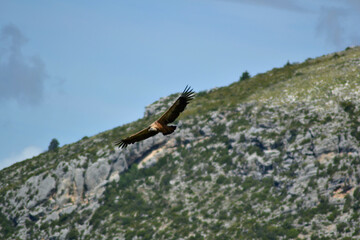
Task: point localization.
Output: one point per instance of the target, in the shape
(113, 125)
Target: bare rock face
(46, 188)
(119, 164)
(70, 186)
(96, 174)
(79, 183)
(67, 189)
(36, 190)
(160, 106)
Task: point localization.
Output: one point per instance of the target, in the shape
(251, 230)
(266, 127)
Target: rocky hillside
(275, 156)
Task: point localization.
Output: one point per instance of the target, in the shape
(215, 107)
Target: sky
(70, 69)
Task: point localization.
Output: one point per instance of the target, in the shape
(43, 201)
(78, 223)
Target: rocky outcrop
(160, 106)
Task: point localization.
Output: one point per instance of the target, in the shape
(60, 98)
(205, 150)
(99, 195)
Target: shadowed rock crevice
(139, 157)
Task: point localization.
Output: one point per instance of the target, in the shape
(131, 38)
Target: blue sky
(70, 69)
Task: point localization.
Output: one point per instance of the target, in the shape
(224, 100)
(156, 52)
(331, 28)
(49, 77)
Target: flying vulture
(161, 125)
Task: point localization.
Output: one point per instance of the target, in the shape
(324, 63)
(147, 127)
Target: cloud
(338, 24)
(277, 4)
(337, 19)
(355, 4)
(21, 78)
(26, 153)
(330, 25)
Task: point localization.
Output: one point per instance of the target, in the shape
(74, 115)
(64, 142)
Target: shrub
(222, 180)
(245, 75)
(341, 227)
(54, 145)
(357, 194)
(7, 227)
(73, 234)
(348, 107)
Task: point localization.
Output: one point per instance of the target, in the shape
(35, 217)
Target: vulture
(161, 124)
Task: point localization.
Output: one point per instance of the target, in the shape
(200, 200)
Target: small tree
(245, 75)
(73, 234)
(54, 144)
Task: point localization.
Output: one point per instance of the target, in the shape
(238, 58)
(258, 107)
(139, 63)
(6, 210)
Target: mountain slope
(274, 156)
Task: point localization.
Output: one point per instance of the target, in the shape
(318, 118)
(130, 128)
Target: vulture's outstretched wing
(141, 135)
(179, 105)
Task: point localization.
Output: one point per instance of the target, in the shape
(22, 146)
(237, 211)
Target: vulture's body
(161, 125)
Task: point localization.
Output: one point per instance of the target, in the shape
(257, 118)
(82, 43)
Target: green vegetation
(245, 75)
(54, 145)
(7, 227)
(350, 108)
(73, 234)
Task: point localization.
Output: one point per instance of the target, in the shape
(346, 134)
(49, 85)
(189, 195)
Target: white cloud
(26, 153)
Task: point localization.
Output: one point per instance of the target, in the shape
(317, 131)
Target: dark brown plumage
(160, 125)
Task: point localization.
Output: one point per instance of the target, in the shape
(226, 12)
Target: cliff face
(274, 156)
